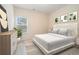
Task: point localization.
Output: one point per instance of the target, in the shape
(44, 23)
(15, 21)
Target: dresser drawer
(5, 45)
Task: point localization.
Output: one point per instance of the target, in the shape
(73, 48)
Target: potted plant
(74, 17)
(56, 20)
(19, 33)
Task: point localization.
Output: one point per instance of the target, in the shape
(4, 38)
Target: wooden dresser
(5, 43)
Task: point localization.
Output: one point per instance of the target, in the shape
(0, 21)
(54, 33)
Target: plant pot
(18, 39)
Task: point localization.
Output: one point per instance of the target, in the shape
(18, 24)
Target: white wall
(37, 21)
(10, 15)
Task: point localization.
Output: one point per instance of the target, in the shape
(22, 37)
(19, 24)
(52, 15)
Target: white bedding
(52, 41)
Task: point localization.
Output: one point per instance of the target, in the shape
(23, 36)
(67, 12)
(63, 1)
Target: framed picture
(64, 18)
(3, 20)
(73, 16)
(57, 20)
(67, 18)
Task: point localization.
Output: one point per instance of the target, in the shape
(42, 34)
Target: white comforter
(52, 41)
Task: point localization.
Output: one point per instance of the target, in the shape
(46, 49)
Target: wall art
(3, 20)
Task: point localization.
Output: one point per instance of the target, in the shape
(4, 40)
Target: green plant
(56, 20)
(70, 18)
(71, 14)
(74, 17)
(19, 32)
(65, 17)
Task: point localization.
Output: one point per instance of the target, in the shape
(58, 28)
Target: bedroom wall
(37, 21)
(63, 11)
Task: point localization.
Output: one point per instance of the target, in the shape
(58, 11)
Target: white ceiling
(46, 8)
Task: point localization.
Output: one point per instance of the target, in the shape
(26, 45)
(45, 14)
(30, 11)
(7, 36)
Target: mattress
(52, 41)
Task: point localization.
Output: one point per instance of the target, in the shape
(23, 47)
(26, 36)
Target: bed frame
(72, 26)
(53, 51)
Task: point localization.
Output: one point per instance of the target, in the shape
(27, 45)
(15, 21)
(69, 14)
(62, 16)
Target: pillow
(63, 31)
(55, 30)
(69, 33)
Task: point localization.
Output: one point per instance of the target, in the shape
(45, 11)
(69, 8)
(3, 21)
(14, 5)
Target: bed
(51, 43)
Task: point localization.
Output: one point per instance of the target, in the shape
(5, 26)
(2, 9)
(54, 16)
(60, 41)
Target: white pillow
(63, 31)
(69, 33)
(55, 30)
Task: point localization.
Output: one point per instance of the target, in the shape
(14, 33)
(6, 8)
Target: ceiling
(46, 8)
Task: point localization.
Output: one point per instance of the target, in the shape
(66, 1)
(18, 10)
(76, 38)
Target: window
(21, 23)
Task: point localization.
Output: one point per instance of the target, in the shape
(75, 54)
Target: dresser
(5, 42)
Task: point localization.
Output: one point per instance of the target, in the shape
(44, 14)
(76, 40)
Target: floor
(21, 50)
(34, 50)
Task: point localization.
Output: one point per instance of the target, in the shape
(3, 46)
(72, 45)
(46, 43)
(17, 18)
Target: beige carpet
(32, 49)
